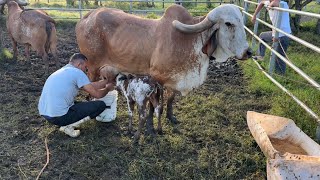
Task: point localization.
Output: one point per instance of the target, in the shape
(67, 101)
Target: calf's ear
(130, 76)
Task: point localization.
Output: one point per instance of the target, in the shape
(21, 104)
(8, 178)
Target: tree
(298, 5)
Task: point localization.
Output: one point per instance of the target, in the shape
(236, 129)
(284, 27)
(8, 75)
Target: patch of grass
(5, 54)
(152, 16)
(313, 7)
(63, 24)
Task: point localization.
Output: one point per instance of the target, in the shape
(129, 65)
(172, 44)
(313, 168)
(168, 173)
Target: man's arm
(100, 84)
(97, 92)
(274, 3)
(259, 7)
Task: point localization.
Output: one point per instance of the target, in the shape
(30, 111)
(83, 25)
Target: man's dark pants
(280, 66)
(79, 111)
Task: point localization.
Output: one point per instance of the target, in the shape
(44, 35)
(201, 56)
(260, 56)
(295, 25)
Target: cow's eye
(229, 24)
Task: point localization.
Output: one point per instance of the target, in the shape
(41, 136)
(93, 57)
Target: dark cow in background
(32, 28)
(174, 50)
(21, 3)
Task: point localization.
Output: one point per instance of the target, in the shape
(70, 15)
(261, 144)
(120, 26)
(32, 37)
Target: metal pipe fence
(287, 61)
(130, 8)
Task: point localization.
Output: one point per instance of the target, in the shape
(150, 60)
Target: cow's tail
(48, 31)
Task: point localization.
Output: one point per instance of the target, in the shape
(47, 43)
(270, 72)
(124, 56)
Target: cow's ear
(212, 43)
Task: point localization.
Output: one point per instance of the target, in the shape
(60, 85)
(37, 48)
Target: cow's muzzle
(247, 54)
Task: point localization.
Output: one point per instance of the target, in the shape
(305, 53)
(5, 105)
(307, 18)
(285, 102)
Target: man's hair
(77, 56)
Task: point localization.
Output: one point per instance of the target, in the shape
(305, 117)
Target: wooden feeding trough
(291, 154)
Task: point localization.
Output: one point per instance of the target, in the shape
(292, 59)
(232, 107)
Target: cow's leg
(159, 110)
(170, 115)
(53, 47)
(27, 51)
(45, 58)
(15, 51)
(142, 119)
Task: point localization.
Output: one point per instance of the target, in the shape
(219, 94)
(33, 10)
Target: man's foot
(258, 58)
(70, 131)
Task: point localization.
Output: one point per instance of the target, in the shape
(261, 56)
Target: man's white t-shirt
(60, 90)
(285, 18)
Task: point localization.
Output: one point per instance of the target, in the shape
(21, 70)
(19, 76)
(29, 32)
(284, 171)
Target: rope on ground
(48, 153)
(21, 170)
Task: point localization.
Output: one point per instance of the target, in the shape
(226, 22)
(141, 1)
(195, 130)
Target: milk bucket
(109, 115)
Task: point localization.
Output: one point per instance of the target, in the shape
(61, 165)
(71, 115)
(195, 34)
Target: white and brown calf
(140, 90)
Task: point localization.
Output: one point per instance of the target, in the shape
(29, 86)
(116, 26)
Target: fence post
(246, 6)
(80, 8)
(275, 44)
(130, 6)
(255, 29)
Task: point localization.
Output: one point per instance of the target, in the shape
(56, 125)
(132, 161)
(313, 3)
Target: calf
(141, 90)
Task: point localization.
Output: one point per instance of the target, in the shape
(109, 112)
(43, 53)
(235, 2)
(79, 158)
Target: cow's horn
(21, 2)
(3, 2)
(195, 28)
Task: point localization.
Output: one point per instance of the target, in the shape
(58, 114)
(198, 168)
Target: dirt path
(211, 142)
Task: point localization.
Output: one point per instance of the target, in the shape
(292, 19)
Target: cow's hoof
(173, 120)
(150, 132)
(136, 138)
(160, 132)
(129, 133)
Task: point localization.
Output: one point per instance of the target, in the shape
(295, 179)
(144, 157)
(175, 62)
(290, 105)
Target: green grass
(5, 54)
(312, 7)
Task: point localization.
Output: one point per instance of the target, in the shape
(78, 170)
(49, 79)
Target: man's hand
(253, 20)
(110, 86)
(275, 39)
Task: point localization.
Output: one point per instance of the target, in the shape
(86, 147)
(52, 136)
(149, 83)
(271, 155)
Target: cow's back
(111, 37)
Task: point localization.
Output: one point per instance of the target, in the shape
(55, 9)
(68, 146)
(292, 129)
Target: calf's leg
(130, 112)
(149, 123)
(142, 120)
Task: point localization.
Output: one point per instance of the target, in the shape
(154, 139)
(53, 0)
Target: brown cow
(32, 28)
(174, 50)
(20, 2)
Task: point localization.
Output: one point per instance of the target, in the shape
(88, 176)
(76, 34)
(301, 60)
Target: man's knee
(100, 105)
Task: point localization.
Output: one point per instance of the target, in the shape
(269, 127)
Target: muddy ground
(211, 142)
